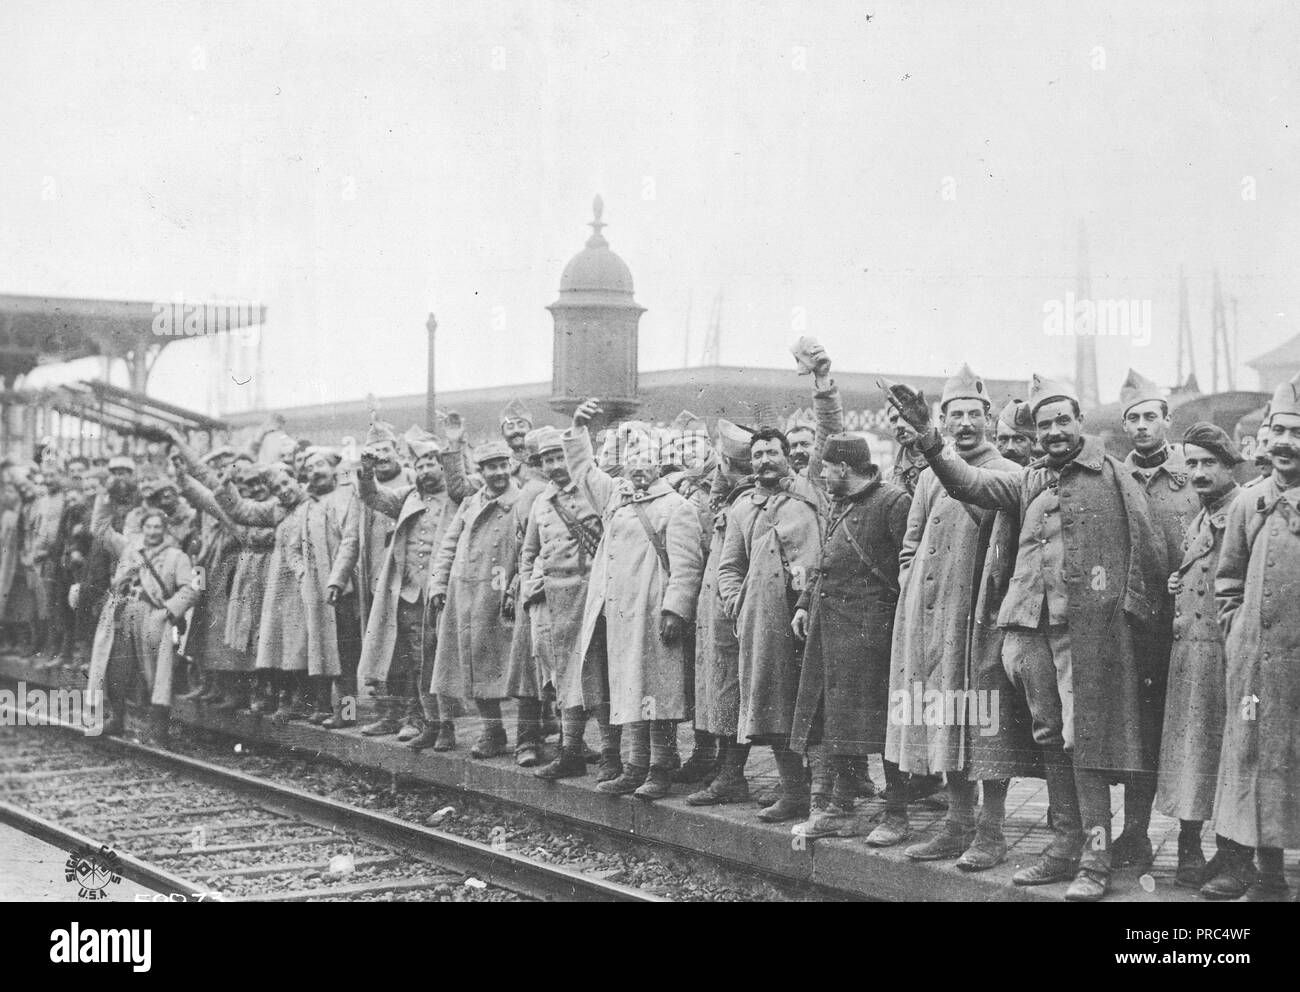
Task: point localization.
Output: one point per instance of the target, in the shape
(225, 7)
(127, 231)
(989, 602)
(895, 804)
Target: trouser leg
(993, 809)
(348, 631)
(638, 744)
(1093, 790)
(489, 711)
(663, 743)
(573, 727)
(790, 769)
(961, 802)
(1028, 659)
(895, 790)
(528, 723)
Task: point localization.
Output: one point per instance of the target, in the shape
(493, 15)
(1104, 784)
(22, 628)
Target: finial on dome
(597, 240)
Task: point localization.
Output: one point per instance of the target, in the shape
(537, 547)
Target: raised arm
(379, 498)
(252, 513)
(827, 409)
(594, 483)
(201, 497)
(101, 526)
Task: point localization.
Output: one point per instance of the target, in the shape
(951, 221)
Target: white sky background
(355, 166)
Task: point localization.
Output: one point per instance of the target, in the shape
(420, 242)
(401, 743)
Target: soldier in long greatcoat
(1088, 584)
(644, 584)
(1157, 466)
(149, 596)
(1194, 709)
(470, 588)
(1257, 588)
(944, 557)
(845, 616)
(772, 547)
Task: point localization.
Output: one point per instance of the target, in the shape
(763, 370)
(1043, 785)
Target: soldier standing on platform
(772, 546)
(1257, 588)
(398, 651)
(641, 596)
(1195, 707)
(948, 557)
(470, 590)
(560, 546)
(908, 462)
(1088, 586)
(1158, 468)
(845, 618)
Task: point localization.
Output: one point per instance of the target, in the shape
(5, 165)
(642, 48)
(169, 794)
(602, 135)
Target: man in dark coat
(1257, 588)
(1195, 706)
(845, 618)
(1157, 466)
(1089, 575)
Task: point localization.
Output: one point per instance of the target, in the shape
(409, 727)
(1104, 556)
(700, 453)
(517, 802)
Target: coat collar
(1174, 467)
(627, 494)
(1092, 456)
(984, 452)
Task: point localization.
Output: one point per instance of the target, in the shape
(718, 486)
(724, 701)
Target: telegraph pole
(430, 403)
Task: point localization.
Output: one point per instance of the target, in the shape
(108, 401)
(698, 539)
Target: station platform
(729, 833)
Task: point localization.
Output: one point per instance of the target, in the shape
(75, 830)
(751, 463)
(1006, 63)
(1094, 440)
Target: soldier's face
(153, 530)
(1146, 425)
(385, 459)
(640, 469)
(1059, 427)
(555, 468)
(769, 460)
(320, 473)
(1014, 446)
(515, 429)
(966, 422)
(1209, 476)
(1284, 446)
(801, 448)
(428, 473)
(496, 475)
(284, 487)
(838, 478)
(903, 431)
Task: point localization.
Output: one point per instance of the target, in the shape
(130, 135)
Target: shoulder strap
(656, 538)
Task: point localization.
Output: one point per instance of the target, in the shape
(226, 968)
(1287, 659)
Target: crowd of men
(1011, 601)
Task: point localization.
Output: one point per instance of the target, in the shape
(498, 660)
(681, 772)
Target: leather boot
(656, 785)
(1191, 873)
(611, 756)
(322, 707)
(1234, 875)
(202, 686)
(446, 740)
(214, 691)
(414, 723)
(236, 699)
(158, 727)
(631, 779)
(1132, 848)
(491, 743)
(570, 763)
(386, 722)
(729, 786)
(701, 764)
(793, 801)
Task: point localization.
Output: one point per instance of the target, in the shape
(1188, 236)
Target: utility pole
(430, 402)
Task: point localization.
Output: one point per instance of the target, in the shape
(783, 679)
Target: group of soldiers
(1008, 601)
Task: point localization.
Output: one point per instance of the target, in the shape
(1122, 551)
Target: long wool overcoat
(770, 553)
(1116, 569)
(1257, 589)
(631, 588)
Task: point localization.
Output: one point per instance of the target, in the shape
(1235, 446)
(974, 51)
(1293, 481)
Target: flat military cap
(1215, 440)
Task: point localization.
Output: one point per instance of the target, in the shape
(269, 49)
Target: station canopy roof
(121, 410)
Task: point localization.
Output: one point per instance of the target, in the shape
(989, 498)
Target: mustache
(1284, 449)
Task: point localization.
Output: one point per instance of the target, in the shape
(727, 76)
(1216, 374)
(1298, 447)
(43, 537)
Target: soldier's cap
(1286, 399)
(965, 385)
(489, 450)
(687, 421)
(380, 432)
(121, 461)
(248, 473)
(321, 451)
(848, 449)
(733, 441)
(515, 410)
(543, 439)
(1215, 440)
(1043, 390)
(225, 451)
(1015, 417)
(1137, 389)
(422, 443)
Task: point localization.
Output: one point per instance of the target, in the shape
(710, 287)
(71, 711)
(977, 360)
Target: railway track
(201, 832)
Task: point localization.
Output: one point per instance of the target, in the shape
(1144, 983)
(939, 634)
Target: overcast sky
(911, 184)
